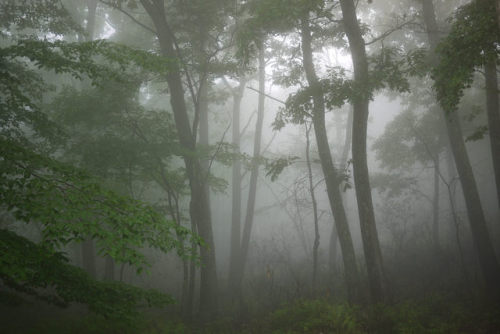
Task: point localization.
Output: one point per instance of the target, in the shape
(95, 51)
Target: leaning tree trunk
(199, 205)
(482, 242)
(373, 256)
(332, 179)
(235, 259)
(247, 228)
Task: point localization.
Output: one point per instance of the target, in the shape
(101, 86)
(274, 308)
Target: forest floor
(433, 314)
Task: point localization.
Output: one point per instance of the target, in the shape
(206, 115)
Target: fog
(259, 166)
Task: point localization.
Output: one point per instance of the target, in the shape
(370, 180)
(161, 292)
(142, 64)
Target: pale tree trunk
(235, 259)
(250, 210)
(482, 242)
(199, 205)
(332, 179)
(379, 287)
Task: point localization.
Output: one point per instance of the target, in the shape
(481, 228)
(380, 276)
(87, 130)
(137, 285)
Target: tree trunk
(88, 247)
(199, 205)
(331, 177)
(490, 72)
(435, 208)
(247, 228)
(315, 210)
(235, 257)
(346, 148)
(482, 242)
(373, 256)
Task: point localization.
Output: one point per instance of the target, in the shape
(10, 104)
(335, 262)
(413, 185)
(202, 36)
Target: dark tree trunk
(88, 247)
(199, 205)
(435, 208)
(490, 72)
(235, 257)
(315, 210)
(346, 148)
(247, 228)
(482, 242)
(332, 179)
(373, 256)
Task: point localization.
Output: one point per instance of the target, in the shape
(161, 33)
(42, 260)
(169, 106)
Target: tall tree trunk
(346, 148)
(235, 259)
(373, 256)
(490, 72)
(315, 209)
(88, 247)
(435, 208)
(199, 205)
(482, 242)
(247, 228)
(332, 179)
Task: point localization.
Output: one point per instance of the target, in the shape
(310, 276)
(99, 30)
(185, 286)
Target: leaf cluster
(472, 41)
(40, 271)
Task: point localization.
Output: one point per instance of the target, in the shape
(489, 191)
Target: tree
(447, 95)
(67, 202)
(373, 256)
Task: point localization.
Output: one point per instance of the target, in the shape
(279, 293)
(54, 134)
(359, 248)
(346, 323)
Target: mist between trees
(295, 166)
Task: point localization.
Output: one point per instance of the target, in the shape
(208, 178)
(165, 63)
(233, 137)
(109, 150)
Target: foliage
(71, 205)
(38, 269)
(389, 69)
(314, 317)
(275, 167)
(473, 39)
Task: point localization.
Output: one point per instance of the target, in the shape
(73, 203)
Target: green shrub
(316, 316)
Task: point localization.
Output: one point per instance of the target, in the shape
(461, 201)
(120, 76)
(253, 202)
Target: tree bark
(331, 176)
(482, 242)
(435, 208)
(88, 247)
(199, 205)
(490, 73)
(379, 287)
(235, 255)
(247, 228)
(315, 210)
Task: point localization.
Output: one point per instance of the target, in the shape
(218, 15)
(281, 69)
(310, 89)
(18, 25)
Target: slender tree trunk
(332, 179)
(199, 205)
(235, 257)
(88, 247)
(482, 242)
(435, 208)
(490, 72)
(247, 228)
(379, 287)
(315, 210)
(346, 148)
